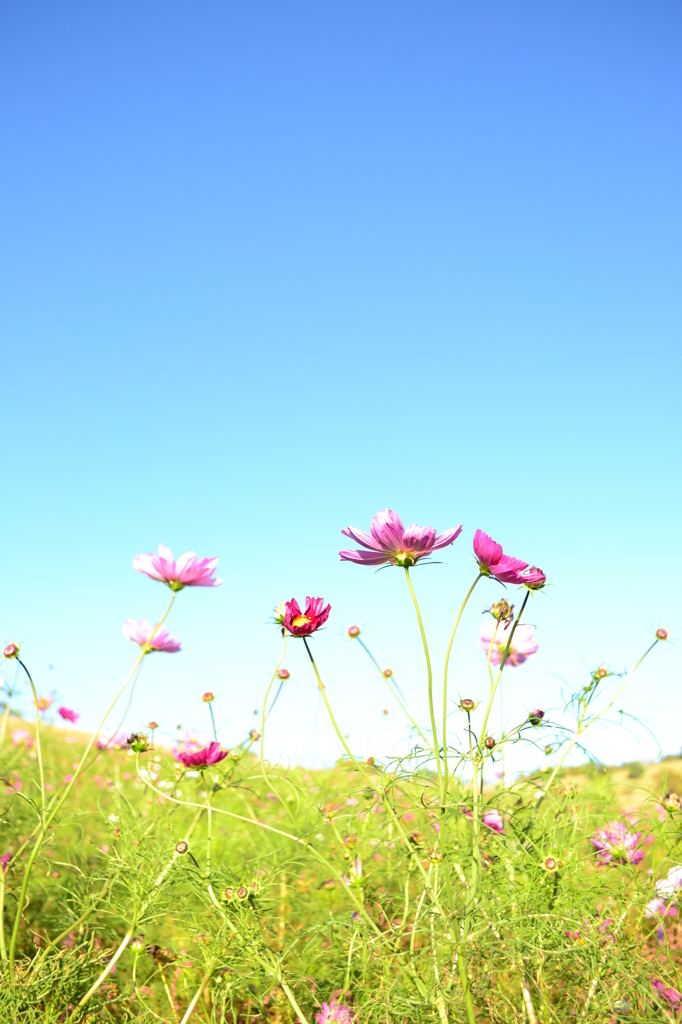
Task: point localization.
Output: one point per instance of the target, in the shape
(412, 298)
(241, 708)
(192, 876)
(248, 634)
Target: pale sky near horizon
(268, 269)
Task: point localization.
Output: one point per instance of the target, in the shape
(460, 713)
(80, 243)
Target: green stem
(436, 745)
(446, 779)
(503, 660)
(267, 694)
(3, 948)
(38, 744)
(393, 690)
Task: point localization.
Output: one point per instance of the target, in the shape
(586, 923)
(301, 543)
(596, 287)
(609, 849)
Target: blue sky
(268, 268)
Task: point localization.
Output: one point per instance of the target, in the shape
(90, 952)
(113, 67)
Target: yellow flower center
(300, 620)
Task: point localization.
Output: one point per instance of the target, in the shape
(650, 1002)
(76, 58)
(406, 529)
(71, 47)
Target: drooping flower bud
(181, 847)
(536, 716)
(207, 697)
(661, 634)
(466, 704)
(283, 673)
(489, 742)
(353, 632)
(11, 651)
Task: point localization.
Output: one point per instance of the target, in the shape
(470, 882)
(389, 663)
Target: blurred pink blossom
(188, 571)
(493, 562)
(140, 632)
(523, 643)
(391, 542)
(22, 736)
(111, 738)
(4, 862)
(334, 1011)
(615, 844)
(68, 715)
(494, 820)
(304, 623)
(211, 754)
(671, 994)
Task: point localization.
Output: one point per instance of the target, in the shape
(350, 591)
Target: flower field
(140, 882)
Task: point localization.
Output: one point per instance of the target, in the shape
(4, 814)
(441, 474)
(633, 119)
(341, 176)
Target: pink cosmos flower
(68, 715)
(4, 862)
(140, 632)
(494, 820)
(391, 542)
(615, 844)
(671, 994)
(43, 703)
(188, 571)
(202, 758)
(493, 562)
(523, 643)
(111, 738)
(304, 623)
(334, 1011)
(22, 736)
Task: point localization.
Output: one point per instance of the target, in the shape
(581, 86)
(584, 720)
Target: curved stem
(446, 779)
(436, 744)
(38, 745)
(392, 689)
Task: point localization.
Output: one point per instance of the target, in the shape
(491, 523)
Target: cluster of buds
(139, 742)
(501, 610)
(241, 893)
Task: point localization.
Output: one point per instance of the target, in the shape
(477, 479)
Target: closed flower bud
(283, 673)
(207, 697)
(371, 760)
(137, 944)
(280, 612)
(229, 893)
(242, 892)
(489, 742)
(388, 672)
(536, 716)
(550, 864)
(138, 742)
(353, 631)
(255, 735)
(467, 704)
(11, 651)
(548, 750)
(153, 725)
(601, 673)
(661, 634)
(181, 847)
(671, 801)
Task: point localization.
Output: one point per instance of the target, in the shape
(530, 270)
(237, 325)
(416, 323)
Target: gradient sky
(268, 268)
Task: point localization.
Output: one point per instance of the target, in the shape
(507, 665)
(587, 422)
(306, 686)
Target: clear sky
(268, 268)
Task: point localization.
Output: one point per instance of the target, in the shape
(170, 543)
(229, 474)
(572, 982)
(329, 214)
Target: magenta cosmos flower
(493, 562)
(304, 623)
(140, 632)
(671, 994)
(523, 644)
(68, 715)
(615, 844)
(188, 571)
(334, 1011)
(202, 758)
(391, 542)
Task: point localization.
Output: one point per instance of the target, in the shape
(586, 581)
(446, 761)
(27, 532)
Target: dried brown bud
(489, 742)
(242, 892)
(181, 847)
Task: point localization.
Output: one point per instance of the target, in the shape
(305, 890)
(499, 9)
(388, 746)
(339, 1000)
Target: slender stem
(436, 744)
(380, 793)
(198, 994)
(22, 897)
(267, 694)
(446, 779)
(38, 744)
(3, 948)
(503, 660)
(5, 720)
(393, 690)
(215, 734)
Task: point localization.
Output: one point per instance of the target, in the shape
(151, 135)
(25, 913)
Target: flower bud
(661, 634)
(153, 725)
(388, 672)
(11, 651)
(229, 893)
(536, 716)
(207, 697)
(255, 735)
(138, 742)
(671, 801)
(353, 631)
(254, 886)
(137, 944)
(548, 750)
(283, 673)
(601, 673)
(280, 612)
(371, 760)
(489, 742)
(550, 864)
(181, 847)
(502, 611)
(242, 892)
(467, 704)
